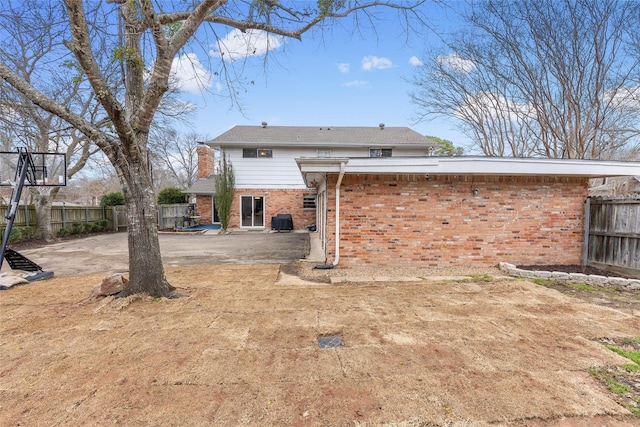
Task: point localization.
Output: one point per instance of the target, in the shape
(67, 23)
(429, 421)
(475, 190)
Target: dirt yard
(242, 350)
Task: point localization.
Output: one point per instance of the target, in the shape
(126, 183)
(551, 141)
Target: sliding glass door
(252, 211)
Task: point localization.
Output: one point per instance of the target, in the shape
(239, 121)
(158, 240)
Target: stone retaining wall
(559, 276)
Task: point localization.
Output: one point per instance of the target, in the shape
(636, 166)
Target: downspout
(336, 259)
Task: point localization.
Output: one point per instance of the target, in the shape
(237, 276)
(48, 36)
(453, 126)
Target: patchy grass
(631, 355)
(477, 278)
(619, 297)
(623, 381)
(543, 282)
(584, 287)
(573, 286)
(631, 367)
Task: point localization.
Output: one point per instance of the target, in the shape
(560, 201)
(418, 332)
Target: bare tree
(550, 78)
(177, 154)
(31, 42)
(145, 40)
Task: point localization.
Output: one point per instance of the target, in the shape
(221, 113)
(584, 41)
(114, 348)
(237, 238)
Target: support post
(587, 226)
(24, 163)
(26, 221)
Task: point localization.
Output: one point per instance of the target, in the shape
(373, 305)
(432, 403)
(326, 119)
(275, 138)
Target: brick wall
(413, 220)
(203, 208)
(206, 161)
(276, 202)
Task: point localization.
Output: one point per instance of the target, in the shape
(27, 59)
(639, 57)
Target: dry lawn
(242, 350)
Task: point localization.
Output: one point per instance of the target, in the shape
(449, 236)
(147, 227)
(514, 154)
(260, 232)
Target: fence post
(587, 226)
(26, 220)
(64, 217)
(114, 218)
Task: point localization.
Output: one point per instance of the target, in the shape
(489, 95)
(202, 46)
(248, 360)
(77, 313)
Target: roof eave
(303, 144)
(474, 166)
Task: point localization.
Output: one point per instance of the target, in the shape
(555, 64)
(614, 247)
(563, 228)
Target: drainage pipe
(336, 259)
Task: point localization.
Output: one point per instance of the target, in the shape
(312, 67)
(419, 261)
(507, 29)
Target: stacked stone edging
(589, 279)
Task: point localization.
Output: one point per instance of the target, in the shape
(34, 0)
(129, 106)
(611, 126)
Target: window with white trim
(253, 153)
(380, 152)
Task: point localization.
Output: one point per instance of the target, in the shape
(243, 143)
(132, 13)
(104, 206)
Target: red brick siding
(276, 202)
(203, 208)
(413, 220)
(206, 161)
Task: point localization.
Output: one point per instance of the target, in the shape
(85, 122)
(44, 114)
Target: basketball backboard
(50, 169)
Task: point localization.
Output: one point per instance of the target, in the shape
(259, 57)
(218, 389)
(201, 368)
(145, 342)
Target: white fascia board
(473, 166)
(302, 144)
(536, 166)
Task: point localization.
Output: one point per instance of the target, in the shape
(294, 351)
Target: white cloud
(176, 106)
(237, 45)
(624, 98)
(415, 61)
(188, 74)
(356, 84)
(457, 63)
(372, 62)
(489, 105)
(343, 67)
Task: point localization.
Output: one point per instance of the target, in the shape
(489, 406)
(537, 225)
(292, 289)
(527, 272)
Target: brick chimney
(206, 161)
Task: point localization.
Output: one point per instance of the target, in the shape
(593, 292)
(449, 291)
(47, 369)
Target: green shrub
(112, 199)
(171, 195)
(63, 232)
(94, 227)
(77, 227)
(17, 234)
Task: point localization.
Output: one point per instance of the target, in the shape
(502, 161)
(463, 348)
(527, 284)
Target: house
(268, 181)
(444, 211)
(376, 196)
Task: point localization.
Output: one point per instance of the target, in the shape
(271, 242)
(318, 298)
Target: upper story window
(380, 152)
(252, 153)
(324, 153)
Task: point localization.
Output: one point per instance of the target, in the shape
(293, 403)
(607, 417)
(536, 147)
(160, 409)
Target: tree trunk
(146, 273)
(42, 204)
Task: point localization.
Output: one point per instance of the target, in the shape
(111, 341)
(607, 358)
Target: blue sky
(340, 80)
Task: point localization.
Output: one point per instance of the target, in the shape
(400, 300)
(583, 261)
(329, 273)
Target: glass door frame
(256, 217)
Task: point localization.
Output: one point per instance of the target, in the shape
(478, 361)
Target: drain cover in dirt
(330, 341)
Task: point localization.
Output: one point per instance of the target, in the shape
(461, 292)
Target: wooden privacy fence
(613, 238)
(169, 216)
(176, 216)
(61, 217)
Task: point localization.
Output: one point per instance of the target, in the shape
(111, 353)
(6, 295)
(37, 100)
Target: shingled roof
(322, 136)
(203, 186)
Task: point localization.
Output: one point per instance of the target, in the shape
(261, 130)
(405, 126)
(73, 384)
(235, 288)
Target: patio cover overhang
(314, 169)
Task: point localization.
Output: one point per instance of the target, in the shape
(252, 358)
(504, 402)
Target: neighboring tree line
(166, 196)
(34, 38)
(547, 78)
